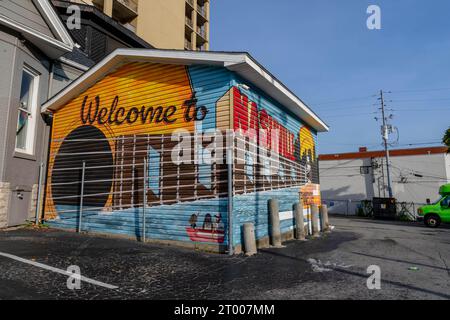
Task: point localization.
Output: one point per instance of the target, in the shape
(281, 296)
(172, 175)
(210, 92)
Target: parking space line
(56, 270)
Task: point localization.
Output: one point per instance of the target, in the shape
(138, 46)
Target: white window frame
(32, 112)
(249, 166)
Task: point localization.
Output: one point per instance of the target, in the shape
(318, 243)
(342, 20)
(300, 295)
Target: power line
(375, 95)
(420, 144)
(349, 115)
(420, 90)
(351, 144)
(421, 100)
(363, 107)
(396, 110)
(345, 107)
(425, 109)
(418, 173)
(342, 100)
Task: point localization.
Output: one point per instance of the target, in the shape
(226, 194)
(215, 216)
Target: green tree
(446, 139)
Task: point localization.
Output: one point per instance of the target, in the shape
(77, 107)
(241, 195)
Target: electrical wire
(342, 100)
(419, 90)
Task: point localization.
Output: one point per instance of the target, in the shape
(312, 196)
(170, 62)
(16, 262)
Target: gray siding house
(39, 58)
(33, 41)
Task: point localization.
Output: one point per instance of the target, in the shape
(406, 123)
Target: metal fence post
(145, 201)
(230, 162)
(39, 193)
(83, 171)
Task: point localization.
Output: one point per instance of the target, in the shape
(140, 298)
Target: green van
(434, 214)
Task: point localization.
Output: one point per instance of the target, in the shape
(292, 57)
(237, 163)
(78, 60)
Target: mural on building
(127, 119)
(308, 154)
(212, 229)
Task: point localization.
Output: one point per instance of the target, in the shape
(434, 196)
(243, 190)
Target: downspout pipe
(230, 162)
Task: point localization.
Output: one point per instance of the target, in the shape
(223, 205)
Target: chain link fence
(406, 211)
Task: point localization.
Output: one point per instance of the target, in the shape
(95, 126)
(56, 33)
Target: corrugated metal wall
(114, 130)
(298, 166)
(184, 202)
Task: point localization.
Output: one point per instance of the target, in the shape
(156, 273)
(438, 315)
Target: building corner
(5, 195)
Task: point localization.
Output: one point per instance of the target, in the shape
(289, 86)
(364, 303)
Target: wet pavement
(413, 260)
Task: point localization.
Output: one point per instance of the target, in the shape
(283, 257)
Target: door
(19, 206)
(445, 209)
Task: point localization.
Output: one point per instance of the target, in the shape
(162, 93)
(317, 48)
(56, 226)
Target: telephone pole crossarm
(385, 135)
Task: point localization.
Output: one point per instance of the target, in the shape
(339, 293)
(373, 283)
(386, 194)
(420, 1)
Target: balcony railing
(201, 10)
(189, 22)
(187, 44)
(202, 47)
(131, 4)
(201, 31)
(191, 2)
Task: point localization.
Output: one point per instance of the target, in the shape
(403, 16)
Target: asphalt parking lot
(414, 263)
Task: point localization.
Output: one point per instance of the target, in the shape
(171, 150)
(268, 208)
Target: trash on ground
(319, 266)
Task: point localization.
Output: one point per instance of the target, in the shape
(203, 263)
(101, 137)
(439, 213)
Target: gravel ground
(414, 263)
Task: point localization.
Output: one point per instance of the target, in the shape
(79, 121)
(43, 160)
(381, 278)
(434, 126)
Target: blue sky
(323, 51)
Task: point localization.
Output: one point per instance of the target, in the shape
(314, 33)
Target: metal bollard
(249, 239)
(325, 226)
(299, 221)
(274, 215)
(315, 220)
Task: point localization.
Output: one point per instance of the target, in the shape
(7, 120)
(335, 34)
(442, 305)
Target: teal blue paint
(209, 84)
(166, 222)
(253, 208)
(205, 175)
(154, 170)
(170, 222)
(249, 165)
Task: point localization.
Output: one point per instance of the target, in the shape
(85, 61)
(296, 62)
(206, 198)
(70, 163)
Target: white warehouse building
(349, 178)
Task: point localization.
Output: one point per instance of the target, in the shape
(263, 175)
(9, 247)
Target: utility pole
(385, 130)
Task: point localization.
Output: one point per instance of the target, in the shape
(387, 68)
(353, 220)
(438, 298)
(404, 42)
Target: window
(204, 167)
(204, 175)
(154, 170)
(293, 173)
(266, 169)
(249, 165)
(26, 121)
(446, 202)
(281, 172)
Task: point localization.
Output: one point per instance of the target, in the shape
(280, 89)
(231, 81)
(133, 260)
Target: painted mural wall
(126, 117)
(122, 129)
(297, 149)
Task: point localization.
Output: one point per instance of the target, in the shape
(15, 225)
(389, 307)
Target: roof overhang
(52, 47)
(240, 63)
